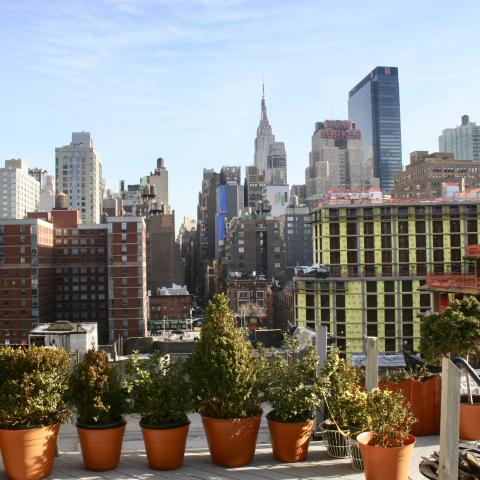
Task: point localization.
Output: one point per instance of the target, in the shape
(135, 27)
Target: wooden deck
(197, 465)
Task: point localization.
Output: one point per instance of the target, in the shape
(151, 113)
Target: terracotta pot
(425, 399)
(165, 446)
(101, 445)
(469, 421)
(231, 442)
(28, 454)
(386, 463)
(290, 440)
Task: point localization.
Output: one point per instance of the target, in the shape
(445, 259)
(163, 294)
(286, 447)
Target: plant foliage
(340, 386)
(290, 383)
(454, 332)
(33, 386)
(95, 390)
(159, 389)
(398, 375)
(388, 418)
(224, 372)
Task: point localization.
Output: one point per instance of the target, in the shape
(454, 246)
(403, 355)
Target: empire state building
(263, 140)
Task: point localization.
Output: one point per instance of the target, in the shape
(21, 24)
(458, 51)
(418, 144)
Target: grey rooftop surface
(197, 465)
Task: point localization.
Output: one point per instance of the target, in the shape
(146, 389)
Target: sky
(182, 79)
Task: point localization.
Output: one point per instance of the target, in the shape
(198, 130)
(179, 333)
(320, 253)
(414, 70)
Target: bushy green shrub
(96, 391)
(159, 389)
(33, 386)
(340, 386)
(388, 418)
(290, 383)
(224, 372)
(454, 332)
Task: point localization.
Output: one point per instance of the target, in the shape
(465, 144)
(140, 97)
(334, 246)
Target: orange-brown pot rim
(305, 422)
(411, 440)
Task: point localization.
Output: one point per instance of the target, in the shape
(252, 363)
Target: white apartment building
(79, 175)
(19, 192)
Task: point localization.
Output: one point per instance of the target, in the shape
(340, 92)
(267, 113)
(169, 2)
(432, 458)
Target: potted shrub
(387, 446)
(162, 395)
(33, 386)
(225, 377)
(462, 322)
(98, 398)
(345, 401)
(422, 391)
(290, 388)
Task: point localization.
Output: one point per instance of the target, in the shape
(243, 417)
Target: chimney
(465, 120)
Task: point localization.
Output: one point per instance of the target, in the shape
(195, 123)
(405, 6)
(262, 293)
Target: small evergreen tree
(96, 391)
(224, 372)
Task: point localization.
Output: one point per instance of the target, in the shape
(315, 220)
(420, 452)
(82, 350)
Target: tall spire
(264, 137)
(263, 117)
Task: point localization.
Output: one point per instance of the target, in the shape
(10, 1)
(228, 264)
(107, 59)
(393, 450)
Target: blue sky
(182, 79)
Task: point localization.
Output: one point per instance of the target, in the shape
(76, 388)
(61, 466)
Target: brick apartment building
(52, 267)
(170, 304)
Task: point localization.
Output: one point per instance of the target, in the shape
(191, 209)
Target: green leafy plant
(159, 389)
(454, 332)
(388, 418)
(96, 391)
(340, 386)
(290, 383)
(224, 372)
(33, 386)
(420, 374)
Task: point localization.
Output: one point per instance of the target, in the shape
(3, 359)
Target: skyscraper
(263, 140)
(374, 107)
(159, 179)
(230, 202)
(337, 160)
(19, 191)
(462, 141)
(79, 175)
(276, 173)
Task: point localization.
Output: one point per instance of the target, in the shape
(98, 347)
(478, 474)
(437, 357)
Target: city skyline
(150, 79)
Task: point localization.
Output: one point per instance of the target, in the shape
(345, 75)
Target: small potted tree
(98, 398)
(162, 395)
(33, 386)
(456, 333)
(345, 401)
(290, 388)
(225, 377)
(387, 446)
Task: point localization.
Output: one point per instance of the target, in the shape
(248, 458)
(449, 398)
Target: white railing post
(449, 421)
(321, 334)
(371, 364)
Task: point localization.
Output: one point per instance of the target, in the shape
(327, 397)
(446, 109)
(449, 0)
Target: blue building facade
(374, 107)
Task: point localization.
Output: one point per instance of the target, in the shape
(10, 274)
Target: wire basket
(355, 456)
(338, 445)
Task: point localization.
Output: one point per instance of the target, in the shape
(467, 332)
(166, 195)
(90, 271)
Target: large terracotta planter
(425, 399)
(470, 421)
(28, 454)
(101, 445)
(290, 440)
(231, 442)
(165, 446)
(385, 463)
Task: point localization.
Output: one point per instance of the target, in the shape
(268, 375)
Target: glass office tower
(374, 106)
